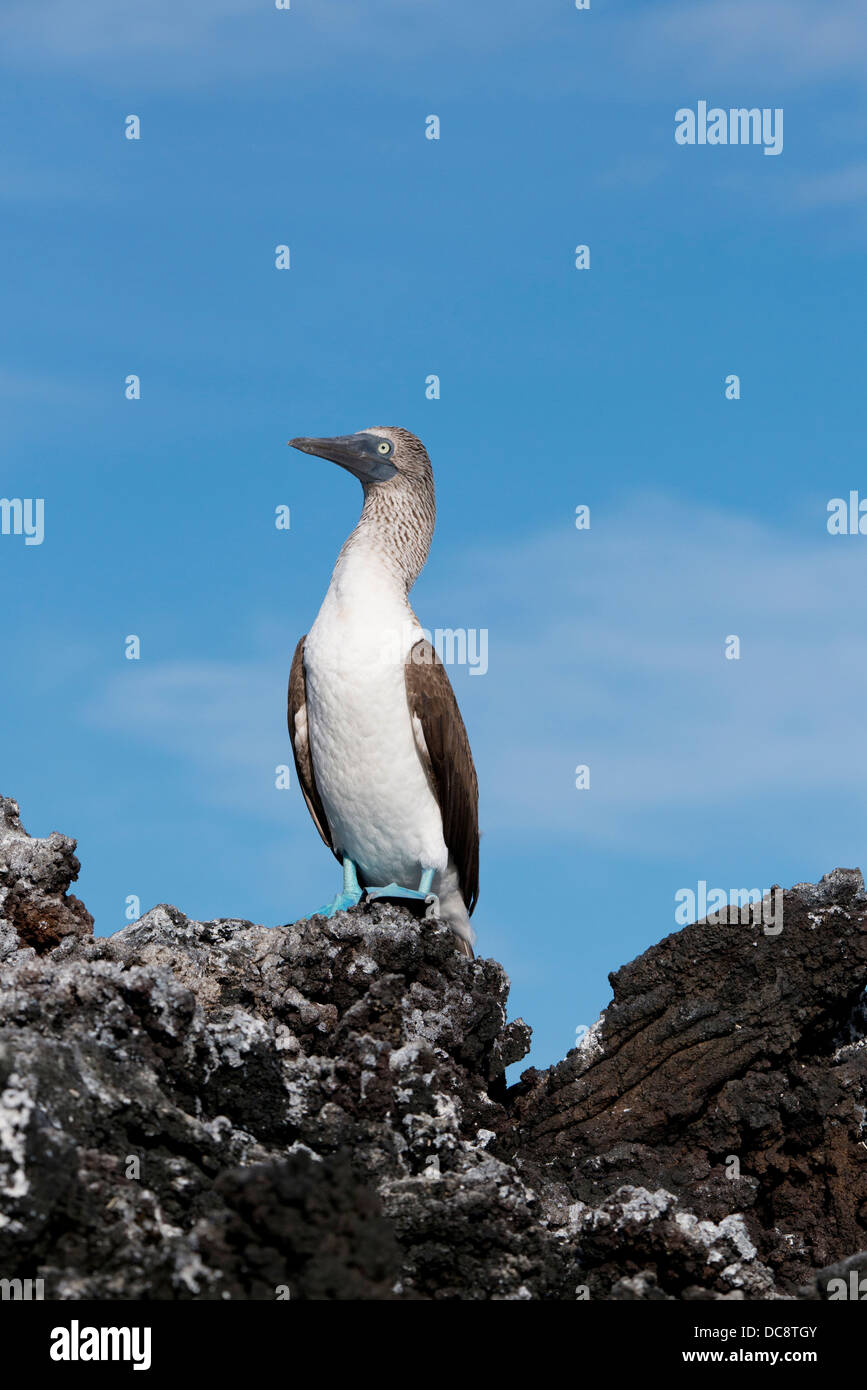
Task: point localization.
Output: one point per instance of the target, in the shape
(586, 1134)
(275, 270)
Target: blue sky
(559, 387)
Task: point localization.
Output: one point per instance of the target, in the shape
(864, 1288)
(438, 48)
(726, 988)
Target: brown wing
(445, 750)
(301, 745)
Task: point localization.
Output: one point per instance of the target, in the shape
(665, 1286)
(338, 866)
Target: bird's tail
(453, 910)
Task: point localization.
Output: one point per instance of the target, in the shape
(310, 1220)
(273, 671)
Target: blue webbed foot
(414, 897)
(350, 897)
(394, 890)
(341, 902)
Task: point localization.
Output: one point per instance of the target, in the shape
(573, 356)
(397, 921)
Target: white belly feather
(376, 794)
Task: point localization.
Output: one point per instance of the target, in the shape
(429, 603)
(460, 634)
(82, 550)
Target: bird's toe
(394, 890)
(341, 902)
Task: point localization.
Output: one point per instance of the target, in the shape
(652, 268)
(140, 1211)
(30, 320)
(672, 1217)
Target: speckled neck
(394, 531)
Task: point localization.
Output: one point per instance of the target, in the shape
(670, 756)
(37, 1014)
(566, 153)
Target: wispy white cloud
(223, 721)
(837, 188)
(768, 42)
(24, 388)
(190, 41)
(774, 42)
(633, 172)
(606, 648)
(47, 186)
(56, 30)
(628, 644)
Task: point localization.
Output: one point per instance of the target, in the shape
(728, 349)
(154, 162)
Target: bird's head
(399, 500)
(381, 457)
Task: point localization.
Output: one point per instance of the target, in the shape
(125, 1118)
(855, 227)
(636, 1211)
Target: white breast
(374, 789)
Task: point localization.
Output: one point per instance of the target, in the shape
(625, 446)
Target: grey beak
(357, 453)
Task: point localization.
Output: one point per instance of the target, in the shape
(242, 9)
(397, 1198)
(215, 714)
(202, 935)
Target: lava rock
(220, 1110)
(36, 908)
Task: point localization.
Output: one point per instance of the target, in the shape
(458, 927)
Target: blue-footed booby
(380, 748)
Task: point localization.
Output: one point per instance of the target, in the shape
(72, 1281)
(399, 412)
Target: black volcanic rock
(209, 1110)
(34, 878)
(731, 1071)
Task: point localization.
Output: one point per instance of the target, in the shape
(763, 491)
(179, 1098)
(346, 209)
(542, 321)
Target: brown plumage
(297, 719)
(445, 752)
(388, 815)
(444, 748)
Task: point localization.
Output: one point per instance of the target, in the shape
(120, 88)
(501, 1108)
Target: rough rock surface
(34, 877)
(221, 1110)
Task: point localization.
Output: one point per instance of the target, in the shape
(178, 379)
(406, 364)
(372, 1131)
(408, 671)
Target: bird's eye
(384, 447)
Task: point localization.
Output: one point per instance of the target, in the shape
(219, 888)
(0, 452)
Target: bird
(381, 752)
